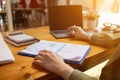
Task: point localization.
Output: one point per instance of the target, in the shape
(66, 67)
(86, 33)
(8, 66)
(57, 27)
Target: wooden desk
(23, 64)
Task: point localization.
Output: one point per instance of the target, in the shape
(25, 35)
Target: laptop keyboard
(60, 31)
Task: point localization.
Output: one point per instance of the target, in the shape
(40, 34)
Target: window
(100, 5)
(109, 10)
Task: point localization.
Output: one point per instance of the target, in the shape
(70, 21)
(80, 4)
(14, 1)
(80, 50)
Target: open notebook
(5, 53)
(71, 53)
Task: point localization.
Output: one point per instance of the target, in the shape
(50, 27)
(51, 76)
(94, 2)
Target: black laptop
(61, 17)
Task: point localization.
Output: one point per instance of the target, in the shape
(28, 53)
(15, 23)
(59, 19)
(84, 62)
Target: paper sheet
(5, 53)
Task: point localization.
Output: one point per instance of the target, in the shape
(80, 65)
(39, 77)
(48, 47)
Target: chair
(19, 19)
(41, 13)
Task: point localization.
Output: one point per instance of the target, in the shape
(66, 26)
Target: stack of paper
(5, 53)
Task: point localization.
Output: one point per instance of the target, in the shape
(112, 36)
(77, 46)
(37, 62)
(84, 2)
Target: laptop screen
(61, 17)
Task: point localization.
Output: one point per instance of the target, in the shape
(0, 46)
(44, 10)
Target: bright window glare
(108, 12)
(109, 17)
(101, 5)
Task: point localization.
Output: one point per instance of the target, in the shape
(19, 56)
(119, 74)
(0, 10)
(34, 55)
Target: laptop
(61, 17)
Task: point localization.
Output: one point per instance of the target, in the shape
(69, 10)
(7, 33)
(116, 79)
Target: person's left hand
(48, 59)
(54, 63)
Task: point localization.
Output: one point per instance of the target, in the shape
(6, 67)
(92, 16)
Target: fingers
(75, 31)
(38, 62)
(44, 54)
(72, 30)
(40, 57)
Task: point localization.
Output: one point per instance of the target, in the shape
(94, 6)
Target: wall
(84, 3)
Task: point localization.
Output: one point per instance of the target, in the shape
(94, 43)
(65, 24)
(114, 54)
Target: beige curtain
(115, 6)
(108, 6)
(101, 5)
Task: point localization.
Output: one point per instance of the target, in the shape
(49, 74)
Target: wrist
(65, 71)
(84, 37)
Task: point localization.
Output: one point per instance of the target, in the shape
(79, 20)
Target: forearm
(103, 39)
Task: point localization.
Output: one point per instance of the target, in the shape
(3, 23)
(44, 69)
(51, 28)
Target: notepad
(19, 37)
(72, 53)
(5, 53)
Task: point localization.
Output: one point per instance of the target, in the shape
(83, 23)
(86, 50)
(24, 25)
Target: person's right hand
(77, 32)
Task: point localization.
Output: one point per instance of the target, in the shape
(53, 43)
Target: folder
(71, 53)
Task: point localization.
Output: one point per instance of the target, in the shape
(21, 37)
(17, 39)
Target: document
(5, 53)
(70, 52)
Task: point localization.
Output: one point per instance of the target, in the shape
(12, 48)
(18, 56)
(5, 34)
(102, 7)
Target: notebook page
(43, 45)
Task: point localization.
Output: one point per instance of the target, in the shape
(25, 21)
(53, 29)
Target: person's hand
(54, 63)
(47, 58)
(77, 32)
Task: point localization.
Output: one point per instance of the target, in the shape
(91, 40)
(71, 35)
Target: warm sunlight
(109, 10)
(100, 5)
(113, 6)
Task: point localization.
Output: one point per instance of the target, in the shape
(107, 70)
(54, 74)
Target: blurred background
(33, 13)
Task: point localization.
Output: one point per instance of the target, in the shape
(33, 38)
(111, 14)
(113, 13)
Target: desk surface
(23, 64)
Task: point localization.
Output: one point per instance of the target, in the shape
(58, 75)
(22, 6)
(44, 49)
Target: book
(71, 53)
(20, 39)
(6, 55)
